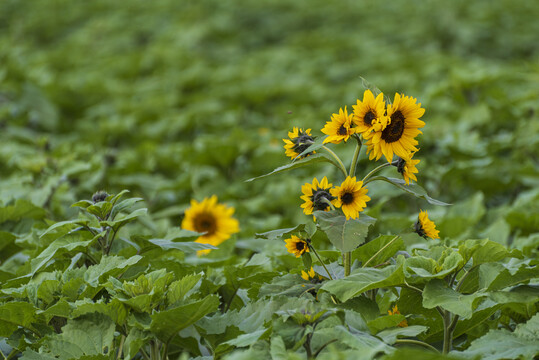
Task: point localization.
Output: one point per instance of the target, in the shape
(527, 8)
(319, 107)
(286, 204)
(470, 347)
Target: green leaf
(179, 288)
(117, 224)
(123, 205)
(278, 349)
(391, 335)
(73, 224)
(502, 344)
(311, 159)
(437, 293)
(15, 314)
(365, 279)
(378, 250)
(384, 322)
(421, 354)
(182, 246)
(279, 233)
(485, 251)
(427, 268)
(413, 189)
(22, 209)
(317, 144)
(368, 345)
(109, 266)
(134, 341)
(166, 324)
(345, 235)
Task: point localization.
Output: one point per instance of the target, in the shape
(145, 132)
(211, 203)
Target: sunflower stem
(375, 171)
(347, 263)
(326, 201)
(337, 159)
(321, 262)
(356, 155)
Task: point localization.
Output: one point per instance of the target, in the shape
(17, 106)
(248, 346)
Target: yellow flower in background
(398, 137)
(315, 196)
(406, 166)
(339, 128)
(369, 114)
(351, 197)
(425, 227)
(297, 142)
(395, 310)
(296, 246)
(211, 218)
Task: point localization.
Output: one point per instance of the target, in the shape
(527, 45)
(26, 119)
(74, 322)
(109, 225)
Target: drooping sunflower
(298, 141)
(425, 227)
(296, 246)
(316, 196)
(398, 137)
(394, 311)
(351, 197)
(339, 128)
(369, 114)
(211, 218)
(406, 166)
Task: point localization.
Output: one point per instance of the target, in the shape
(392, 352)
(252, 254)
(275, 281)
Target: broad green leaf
(384, 322)
(485, 251)
(48, 290)
(72, 225)
(391, 335)
(311, 159)
(243, 340)
(496, 276)
(118, 223)
(22, 209)
(437, 293)
(413, 189)
(101, 210)
(345, 235)
(279, 233)
(368, 345)
(427, 268)
(123, 205)
(421, 354)
(108, 266)
(278, 348)
(15, 314)
(179, 288)
(134, 341)
(378, 250)
(166, 324)
(188, 247)
(365, 279)
(503, 344)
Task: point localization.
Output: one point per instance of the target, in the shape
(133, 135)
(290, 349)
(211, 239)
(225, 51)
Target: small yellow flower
(407, 167)
(399, 135)
(351, 197)
(425, 227)
(395, 311)
(296, 246)
(339, 128)
(298, 142)
(315, 196)
(211, 218)
(369, 114)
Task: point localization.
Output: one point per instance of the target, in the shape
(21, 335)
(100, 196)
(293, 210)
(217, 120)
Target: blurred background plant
(179, 100)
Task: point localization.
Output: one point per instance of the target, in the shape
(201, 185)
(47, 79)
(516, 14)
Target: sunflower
(406, 166)
(316, 196)
(425, 227)
(395, 311)
(298, 142)
(296, 246)
(399, 135)
(351, 196)
(310, 275)
(339, 128)
(211, 218)
(369, 114)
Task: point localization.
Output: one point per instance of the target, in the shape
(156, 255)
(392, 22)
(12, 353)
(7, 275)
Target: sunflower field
(269, 180)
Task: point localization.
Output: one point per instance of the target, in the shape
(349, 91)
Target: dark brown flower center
(394, 130)
(205, 223)
(419, 229)
(368, 118)
(300, 245)
(302, 142)
(347, 198)
(318, 199)
(400, 165)
(342, 130)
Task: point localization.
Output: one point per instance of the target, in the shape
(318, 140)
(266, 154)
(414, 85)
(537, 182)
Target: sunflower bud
(99, 196)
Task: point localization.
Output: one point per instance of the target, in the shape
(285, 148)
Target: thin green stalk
(448, 332)
(144, 354)
(356, 155)
(120, 348)
(11, 354)
(416, 342)
(379, 251)
(321, 262)
(374, 171)
(337, 159)
(324, 200)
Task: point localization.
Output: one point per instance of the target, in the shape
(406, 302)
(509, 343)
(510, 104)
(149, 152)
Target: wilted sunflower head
(298, 141)
(339, 128)
(407, 167)
(425, 227)
(296, 246)
(211, 218)
(398, 137)
(369, 114)
(351, 197)
(316, 196)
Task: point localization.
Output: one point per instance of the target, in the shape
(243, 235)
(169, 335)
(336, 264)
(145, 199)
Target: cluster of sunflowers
(388, 130)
